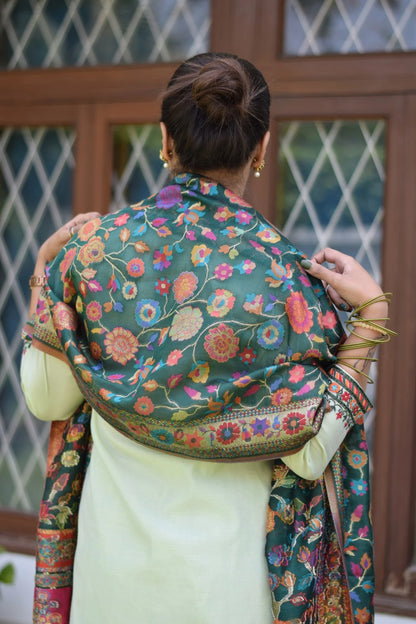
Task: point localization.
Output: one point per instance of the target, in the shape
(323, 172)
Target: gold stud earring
(257, 170)
(162, 157)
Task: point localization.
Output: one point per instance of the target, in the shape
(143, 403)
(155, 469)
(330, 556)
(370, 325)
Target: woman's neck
(235, 181)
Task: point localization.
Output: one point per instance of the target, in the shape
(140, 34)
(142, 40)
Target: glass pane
(331, 187)
(92, 32)
(312, 27)
(137, 170)
(36, 170)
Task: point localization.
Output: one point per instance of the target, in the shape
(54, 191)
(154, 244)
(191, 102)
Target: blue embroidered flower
(147, 312)
(270, 334)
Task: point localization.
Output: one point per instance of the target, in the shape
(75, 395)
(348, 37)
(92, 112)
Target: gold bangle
(37, 280)
(372, 326)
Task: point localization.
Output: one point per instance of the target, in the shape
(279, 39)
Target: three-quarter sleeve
(48, 385)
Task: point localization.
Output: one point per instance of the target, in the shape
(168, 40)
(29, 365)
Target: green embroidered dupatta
(191, 327)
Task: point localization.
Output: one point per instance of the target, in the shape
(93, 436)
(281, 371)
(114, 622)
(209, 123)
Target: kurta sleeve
(347, 404)
(310, 462)
(48, 385)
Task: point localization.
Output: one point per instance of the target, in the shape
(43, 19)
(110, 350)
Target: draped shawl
(191, 327)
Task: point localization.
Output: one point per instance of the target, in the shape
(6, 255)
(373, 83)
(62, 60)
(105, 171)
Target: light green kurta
(163, 538)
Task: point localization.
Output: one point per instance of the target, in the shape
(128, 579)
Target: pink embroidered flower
(220, 343)
(329, 320)
(121, 344)
(64, 317)
(186, 323)
(300, 317)
(94, 311)
(122, 219)
(223, 271)
(296, 374)
(243, 217)
(174, 357)
(184, 286)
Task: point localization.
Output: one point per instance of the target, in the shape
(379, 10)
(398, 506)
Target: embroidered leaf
(94, 286)
(141, 247)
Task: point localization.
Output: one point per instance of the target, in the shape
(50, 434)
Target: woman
(188, 324)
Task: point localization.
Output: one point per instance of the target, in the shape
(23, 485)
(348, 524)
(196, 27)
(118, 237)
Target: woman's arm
(346, 282)
(349, 282)
(48, 385)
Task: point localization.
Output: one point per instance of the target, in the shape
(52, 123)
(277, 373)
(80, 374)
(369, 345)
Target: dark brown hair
(216, 109)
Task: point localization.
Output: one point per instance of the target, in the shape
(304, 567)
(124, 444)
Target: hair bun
(221, 90)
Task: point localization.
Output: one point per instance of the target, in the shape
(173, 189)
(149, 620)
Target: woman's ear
(167, 142)
(263, 146)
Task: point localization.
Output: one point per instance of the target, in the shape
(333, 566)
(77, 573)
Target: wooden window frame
(352, 86)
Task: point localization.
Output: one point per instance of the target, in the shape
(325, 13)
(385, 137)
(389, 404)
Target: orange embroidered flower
(184, 286)
(88, 229)
(282, 397)
(121, 344)
(300, 317)
(220, 343)
(93, 251)
(144, 406)
(95, 350)
(67, 260)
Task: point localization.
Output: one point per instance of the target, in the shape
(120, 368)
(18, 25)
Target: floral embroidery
(135, 267)
(221, 344)
(147, 312)
(92, 252)
(220, 303)
(300, 317)
(121, 344)
(186, 323)
(184, 286)
(270, 334)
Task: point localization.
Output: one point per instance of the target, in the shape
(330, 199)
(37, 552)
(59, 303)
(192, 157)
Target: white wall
(16, 600)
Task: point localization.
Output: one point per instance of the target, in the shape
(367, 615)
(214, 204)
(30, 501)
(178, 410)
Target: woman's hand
(53, 245)
(347, 282)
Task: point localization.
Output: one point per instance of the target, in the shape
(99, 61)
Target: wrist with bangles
(374, 325)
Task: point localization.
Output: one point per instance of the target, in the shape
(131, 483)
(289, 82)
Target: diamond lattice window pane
(46, 33)
(36, 170)
(313, 27)
(137, 171)
(330, 190)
